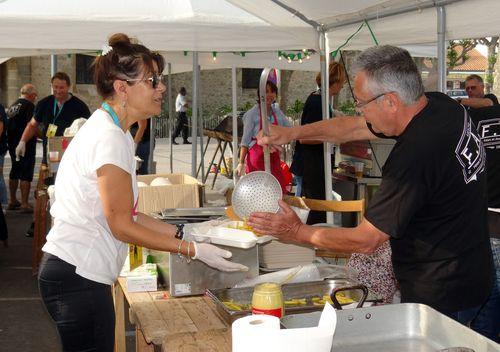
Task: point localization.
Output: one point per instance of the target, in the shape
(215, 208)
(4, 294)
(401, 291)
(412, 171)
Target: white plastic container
(228, 234)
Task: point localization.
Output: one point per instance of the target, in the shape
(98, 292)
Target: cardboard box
(144, 278)
(185, 192)
(56, 146)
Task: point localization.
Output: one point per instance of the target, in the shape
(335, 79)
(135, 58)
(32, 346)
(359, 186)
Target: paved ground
(24, 324)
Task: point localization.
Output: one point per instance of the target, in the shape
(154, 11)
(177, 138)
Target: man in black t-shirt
(53, 114)
(487, 121)
(431, 204)
(474, 86)
(21, 173)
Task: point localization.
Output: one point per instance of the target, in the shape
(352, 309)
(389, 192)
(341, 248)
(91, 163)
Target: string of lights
(301, 55)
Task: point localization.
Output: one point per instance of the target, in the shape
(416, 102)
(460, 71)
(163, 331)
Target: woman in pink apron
(252, 154)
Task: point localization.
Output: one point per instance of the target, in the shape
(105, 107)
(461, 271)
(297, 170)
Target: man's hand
(20, 149)
(278, 135)
(284, 225)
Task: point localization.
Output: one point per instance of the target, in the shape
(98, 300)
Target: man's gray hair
(476, 77)
(28, 89)
(390, 69)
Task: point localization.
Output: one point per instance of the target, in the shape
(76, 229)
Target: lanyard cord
(58, 113)
(112, 113)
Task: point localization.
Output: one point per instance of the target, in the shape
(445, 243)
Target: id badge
(51, 130)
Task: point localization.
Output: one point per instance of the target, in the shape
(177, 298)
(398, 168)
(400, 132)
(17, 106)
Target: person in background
(474, 86)
(141, 131)
(181, 106)
(21, 173)
(487, 121)
(53, 114)
(431, 204)
(96, 198)
(297, 168)
(313, 179)
(251, 154)
(3, 151)
(4, 233)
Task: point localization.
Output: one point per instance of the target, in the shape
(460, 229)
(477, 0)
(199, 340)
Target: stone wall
(216, 87)
(13, 74)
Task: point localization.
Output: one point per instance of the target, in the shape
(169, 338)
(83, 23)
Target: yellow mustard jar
(268, 299)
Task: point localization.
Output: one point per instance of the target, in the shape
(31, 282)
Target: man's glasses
(155, 80)
(361, 104)
(471, 88)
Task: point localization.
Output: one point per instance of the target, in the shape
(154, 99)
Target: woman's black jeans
(82, 309)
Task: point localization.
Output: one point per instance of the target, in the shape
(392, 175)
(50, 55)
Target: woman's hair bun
(119, 38)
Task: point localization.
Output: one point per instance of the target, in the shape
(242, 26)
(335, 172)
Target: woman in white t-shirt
(95, 212)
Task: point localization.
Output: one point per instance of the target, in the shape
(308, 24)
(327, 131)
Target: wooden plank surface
(200, 311)
(175, 316)
(119, 302)
(206, 341)
(177, 324)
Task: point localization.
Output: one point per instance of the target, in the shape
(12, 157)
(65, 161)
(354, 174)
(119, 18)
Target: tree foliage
(457, 55)
(456, 58)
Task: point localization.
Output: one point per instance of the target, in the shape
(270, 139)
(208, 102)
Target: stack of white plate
(278, 255)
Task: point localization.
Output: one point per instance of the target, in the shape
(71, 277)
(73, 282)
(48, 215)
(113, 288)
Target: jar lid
(267, 287)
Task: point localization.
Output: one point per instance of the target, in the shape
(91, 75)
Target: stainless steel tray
(394, 328)
(306, 290)
(189, 215)
(208, 211)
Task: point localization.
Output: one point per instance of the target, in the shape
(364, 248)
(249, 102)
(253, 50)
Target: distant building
(477, 64)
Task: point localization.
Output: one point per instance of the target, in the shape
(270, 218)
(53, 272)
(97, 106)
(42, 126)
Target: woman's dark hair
(125, 60)
(271, 86)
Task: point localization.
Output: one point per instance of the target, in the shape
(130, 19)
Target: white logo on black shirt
(470, 151)
(489, 132)
(14, 110)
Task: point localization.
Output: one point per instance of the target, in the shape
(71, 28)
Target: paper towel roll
(262, 333)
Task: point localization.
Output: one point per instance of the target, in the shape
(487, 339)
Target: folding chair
(346, 206)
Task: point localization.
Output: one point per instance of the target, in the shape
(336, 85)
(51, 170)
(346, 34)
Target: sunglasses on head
(155, 80)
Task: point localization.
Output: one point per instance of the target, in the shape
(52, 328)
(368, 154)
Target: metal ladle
(258, 191)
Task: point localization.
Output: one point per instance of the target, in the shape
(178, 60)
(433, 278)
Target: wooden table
(166, 324)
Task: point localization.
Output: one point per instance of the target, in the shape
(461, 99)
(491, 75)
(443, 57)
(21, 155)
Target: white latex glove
(240, 169)
(216, 257)
(20, 149)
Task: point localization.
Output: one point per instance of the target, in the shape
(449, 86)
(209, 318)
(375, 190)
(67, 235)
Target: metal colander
(256, 191)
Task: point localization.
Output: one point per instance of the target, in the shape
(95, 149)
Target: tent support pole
(200, 125)
(325, 107)
(170, 116)
(152, 138)
(53, 65)
(235, 122)
(441, 47)
(194, 116)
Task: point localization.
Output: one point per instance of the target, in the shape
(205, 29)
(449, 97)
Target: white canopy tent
(31, 27)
